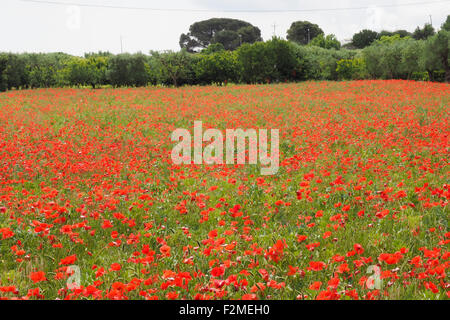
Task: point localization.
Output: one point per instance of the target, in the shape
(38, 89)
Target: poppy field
(92, 207)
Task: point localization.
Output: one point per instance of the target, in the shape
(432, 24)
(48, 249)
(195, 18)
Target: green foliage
(364, 38)
(228, 38)
(14, 71)
(438, 75)
(3, 78)
(393, 57)
(328, 42)
(351, 69)
(217, 67)
(128, 70)
(231, 33)
(76, 71)
(420, 76)
(436, 54)
(265, 62)
(446, 24)
(424, 33)
(254, 63)
(302, 32)
(45, 70)
(411, 58)
(249, 34)
(389, 39)
(104, 54)
(212, 48)
(283, 59)
(317, 63)
(401, 33)
(87, 71)
(174, 68)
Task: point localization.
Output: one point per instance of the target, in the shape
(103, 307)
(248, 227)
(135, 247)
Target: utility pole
(274, 29)
(431, 20)
(121, 44)
(309, 36)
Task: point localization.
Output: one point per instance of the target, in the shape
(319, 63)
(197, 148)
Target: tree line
(209, 55)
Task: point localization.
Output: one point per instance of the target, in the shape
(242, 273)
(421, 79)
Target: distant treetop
(446, 25)
(424, 33)
(231, 33)
(302, 32)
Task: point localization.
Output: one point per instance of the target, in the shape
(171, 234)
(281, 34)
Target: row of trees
(366, 37)
(392, 56)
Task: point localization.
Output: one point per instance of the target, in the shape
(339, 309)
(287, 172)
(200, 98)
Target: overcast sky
(44, 27)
